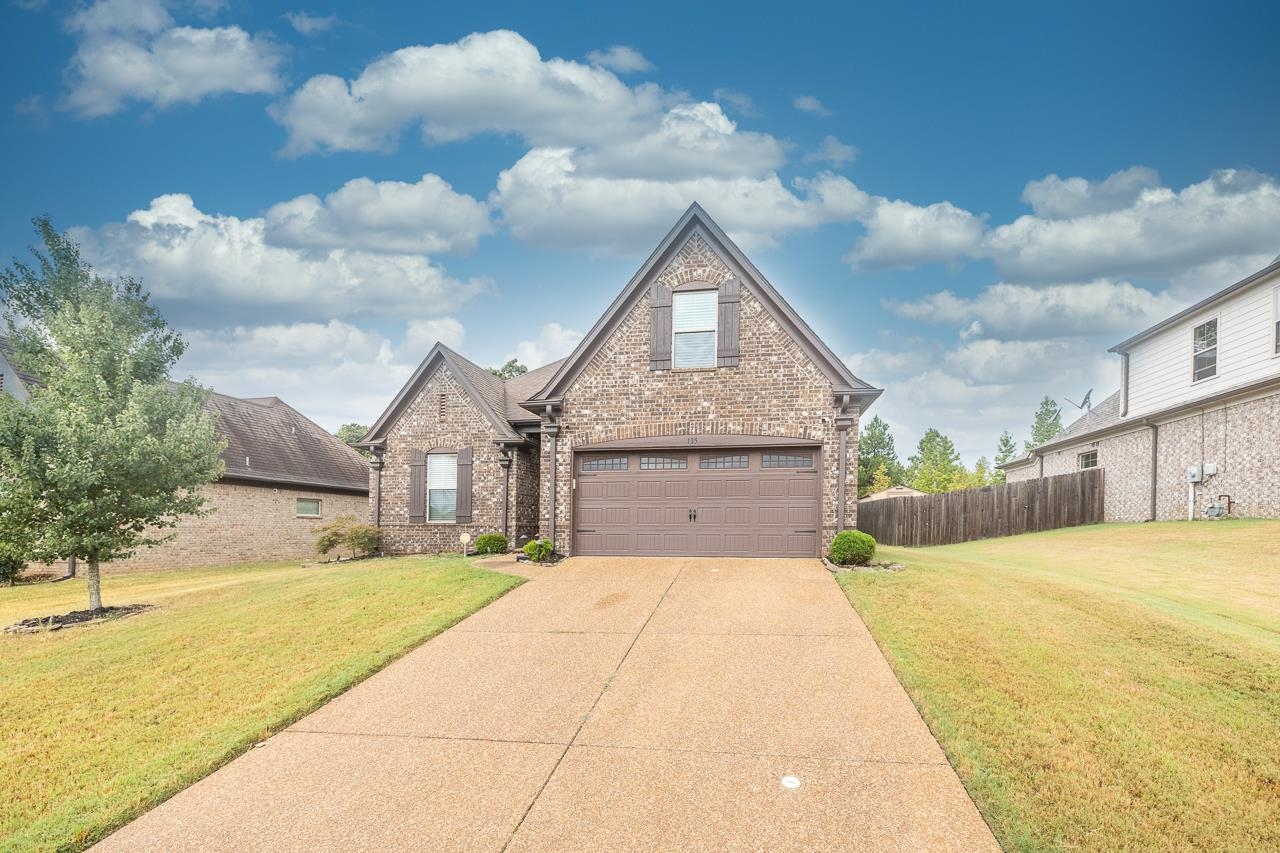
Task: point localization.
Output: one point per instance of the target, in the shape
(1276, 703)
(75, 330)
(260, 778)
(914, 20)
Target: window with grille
(786, 460)
(616, 463)
(663, 463)
(1204, 349)
(307, 507)
(693, 328)
(442, 487)
(1089, 460)
(734, 461)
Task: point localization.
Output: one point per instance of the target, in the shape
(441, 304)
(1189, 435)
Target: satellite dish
(1084, 405)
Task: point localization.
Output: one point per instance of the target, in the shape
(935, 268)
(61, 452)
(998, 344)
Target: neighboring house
(12, 381)
(700, 415)
(893, 492)
(284, 476)
(1195, 422)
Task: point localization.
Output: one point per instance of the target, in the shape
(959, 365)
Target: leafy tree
(935, 466)
(351, 433)
(1006, 449)
(876, 449)
(511, 369)
(1047, 424)
(880, 480)
(106, 454)
(980, 475)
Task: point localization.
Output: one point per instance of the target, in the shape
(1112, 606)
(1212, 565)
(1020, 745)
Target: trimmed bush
(491, 543)
(853, 548)
(539, 549)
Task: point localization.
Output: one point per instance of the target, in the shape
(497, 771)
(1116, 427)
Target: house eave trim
(289, 482)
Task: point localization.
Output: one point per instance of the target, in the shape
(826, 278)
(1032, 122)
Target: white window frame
(1275, 321)
(1080, 466)
(319, 508)
(441, 488)
(1217, 348)
(676, 331)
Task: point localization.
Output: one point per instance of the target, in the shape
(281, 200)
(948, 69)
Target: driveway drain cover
(791, 782)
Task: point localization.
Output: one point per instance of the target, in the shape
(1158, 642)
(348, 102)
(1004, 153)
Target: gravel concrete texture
(608, 704)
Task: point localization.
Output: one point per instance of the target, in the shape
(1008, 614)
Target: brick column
(843, 423)
(551, 432)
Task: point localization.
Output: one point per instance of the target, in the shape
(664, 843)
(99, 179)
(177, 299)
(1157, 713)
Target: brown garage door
(749, 502)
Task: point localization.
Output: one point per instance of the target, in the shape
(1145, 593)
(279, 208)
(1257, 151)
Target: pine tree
(880, 480)
(1006, 449)
(876, 449)
(1047, 424)
(935, 466)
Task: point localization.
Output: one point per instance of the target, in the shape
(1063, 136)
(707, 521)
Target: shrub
(539, 549)
(491, 543)
(346, 532)
(10, 568)
(852, 548)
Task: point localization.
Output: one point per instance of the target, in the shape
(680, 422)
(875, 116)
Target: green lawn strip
(1081, 714)
(106, 721)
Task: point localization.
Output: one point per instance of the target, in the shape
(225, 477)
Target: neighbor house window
(693, 325)
(1204, 349)
(442, 487)
(307, 507)
(663, 463)
(785, 460)
(1089, 460)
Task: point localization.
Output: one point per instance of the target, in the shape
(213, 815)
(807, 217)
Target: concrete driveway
(608, 704)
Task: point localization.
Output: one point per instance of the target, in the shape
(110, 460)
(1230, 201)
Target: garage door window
(720, 462)
(442, 487)
(617, 463)
(663, 463)
(693, 326)
(786, 460)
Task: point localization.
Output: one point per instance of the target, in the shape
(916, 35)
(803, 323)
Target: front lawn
(1101, 688)
(104, 721)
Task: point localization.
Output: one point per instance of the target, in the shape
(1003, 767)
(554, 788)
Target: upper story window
(693, 328)
(442, 487)
(1275, 315)
(1204, 349)
(1089, 459)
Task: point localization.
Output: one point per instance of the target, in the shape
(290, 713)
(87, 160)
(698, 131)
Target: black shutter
(417, 487)
(659, 327)
(728, 323)
(463, 515)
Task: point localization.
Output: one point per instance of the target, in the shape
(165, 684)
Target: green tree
(1047, 423)
(935, 466)
(880, 480)
(977, 478)
(106, 454)
(1006, 449)
(876, 448)
(351, 433)
(509, 370)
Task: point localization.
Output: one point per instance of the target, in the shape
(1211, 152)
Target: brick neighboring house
(700, 415)
(1196, 422)
(284, 475)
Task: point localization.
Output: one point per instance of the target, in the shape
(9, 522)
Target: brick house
(1193, 428)
(700, 415)
(284, 475)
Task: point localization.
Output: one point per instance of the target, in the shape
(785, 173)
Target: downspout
(505, 463)
(1155, 464)
(376, 464)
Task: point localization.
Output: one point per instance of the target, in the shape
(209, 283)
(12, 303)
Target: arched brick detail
(682, 428)
(696, 261)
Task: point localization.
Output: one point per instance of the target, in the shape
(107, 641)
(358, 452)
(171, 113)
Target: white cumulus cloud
(902, 234)
(554, 341)
(620, 58)
(310, 25)
(810, 104)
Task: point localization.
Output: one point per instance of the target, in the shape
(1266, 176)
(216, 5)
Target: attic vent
(440, 400)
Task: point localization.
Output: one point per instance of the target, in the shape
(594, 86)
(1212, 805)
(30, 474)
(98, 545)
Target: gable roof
(1126, 345)
(522, 387)
(6, 352)
(696, 220)
(270, 441)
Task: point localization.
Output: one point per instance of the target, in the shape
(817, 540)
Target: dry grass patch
(104, 721)
(1102, 688)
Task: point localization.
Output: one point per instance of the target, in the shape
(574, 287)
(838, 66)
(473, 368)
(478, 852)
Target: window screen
(442, 487)
(1205, 351)
(693, 325)
(309, 507)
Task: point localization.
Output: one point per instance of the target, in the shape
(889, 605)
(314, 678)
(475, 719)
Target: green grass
(104, 721)
(1114, 687)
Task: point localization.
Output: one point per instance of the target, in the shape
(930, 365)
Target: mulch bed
(878, 566)
(74, 618)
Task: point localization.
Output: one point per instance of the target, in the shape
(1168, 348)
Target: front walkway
(608, 704)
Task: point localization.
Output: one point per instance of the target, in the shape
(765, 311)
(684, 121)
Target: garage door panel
(739, 511)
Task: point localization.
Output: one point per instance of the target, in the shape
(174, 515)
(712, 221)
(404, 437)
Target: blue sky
(969, 205)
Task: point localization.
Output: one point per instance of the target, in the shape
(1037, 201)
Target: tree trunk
(95, 585)
(71, 567)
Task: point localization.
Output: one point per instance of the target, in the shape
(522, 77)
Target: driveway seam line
(748, 754)
(457, 738)
(538, 794)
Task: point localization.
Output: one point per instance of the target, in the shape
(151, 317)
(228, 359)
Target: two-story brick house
(700, 415)
(1195, 424)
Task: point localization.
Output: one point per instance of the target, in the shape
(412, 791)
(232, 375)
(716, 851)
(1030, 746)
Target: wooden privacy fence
(1047, 503)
